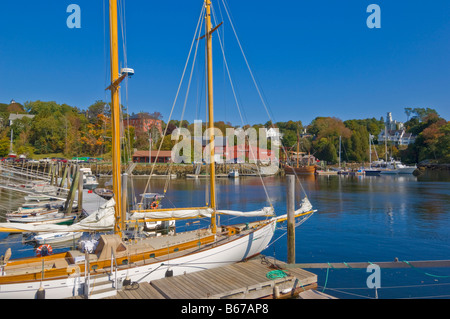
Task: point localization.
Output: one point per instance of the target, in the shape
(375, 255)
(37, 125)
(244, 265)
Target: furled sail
(198, 213)
(264, 212)
(172, 214)
(305, 208)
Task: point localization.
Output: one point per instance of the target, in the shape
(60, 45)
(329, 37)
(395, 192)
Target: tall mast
(298, 147)
(385, 143)
(211, 113)
(115, 115)
(340, 141)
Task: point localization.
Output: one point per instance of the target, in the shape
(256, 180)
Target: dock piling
(290, 202)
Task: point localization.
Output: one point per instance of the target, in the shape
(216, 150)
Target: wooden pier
(244, 280)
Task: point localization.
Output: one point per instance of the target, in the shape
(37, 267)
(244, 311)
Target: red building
(143, 123)
(143, 156)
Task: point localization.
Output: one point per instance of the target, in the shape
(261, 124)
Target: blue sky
(310, 58)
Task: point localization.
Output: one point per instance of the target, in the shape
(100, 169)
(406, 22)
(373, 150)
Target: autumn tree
(94, 139)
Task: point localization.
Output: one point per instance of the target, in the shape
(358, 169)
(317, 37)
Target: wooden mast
(211, 114)
(115, 115)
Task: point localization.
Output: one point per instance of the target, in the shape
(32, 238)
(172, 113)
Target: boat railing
(87, 274)
(114, 267)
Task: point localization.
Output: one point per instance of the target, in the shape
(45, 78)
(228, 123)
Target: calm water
(359, 219)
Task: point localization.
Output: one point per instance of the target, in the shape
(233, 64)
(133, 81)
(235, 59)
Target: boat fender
(40, 294)
(126, 282)
(169, 273)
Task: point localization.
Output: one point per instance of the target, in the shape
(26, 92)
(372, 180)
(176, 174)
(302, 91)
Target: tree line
(60, 128)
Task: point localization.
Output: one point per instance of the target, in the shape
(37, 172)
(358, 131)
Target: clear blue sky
(311, 58)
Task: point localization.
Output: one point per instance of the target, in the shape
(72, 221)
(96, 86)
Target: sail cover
(173, 214)
(264, 212)
(198, 213)
(100, 220)
(305, 207)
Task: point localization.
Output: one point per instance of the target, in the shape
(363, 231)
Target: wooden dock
(245, 280)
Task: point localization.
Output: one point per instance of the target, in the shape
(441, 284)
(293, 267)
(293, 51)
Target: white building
(391, 124)
(397, 137)
(274, 135)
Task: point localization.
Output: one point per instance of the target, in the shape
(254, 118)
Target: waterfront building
(143, 156)
(395, 133)
(143, 123)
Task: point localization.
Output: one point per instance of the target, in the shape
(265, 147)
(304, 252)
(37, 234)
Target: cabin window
(176, 249)
(152, 255)
(94, 267)
(125, 262)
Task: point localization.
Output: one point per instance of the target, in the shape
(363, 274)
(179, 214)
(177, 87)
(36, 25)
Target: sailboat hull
(300, 170)
(231, 251)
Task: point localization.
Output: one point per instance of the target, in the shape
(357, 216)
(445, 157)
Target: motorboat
(89, 179)
(234, 173)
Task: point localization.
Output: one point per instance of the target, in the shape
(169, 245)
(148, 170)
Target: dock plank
(240, 280)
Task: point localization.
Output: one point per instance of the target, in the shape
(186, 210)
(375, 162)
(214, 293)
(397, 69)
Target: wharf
(244, 280)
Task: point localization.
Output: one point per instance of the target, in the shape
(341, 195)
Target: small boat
(89, 179)
(234, 173)
(389, 171)
(404, 169)
(90, 182)
(37, 198)
(305, 169)
(372, 172)
(52, 238)
(65, 220)
(104, 192)
(31, 218)
(44, 204)
(31, 213)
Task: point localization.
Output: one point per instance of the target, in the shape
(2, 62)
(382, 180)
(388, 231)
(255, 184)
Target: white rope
(176, 98)
(240, 113)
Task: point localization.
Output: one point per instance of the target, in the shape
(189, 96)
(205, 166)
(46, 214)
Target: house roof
(13, 117)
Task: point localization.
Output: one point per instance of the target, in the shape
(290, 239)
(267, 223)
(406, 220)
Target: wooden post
(80, 192)
(71, 195)
(63, 180)
(290, 203)
(51, 175)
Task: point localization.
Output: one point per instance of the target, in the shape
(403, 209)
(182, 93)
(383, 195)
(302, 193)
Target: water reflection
(357, 215)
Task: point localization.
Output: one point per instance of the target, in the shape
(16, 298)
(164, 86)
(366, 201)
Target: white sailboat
(68, 274)
(371, 171)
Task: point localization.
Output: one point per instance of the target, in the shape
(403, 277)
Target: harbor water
(358, 219)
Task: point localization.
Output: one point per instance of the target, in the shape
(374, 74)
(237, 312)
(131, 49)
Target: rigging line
(104, 50)
(284, 233)
(246, 61)
(185, 103)
(176, 98)
(240, 113)
(256, 85)
(122, 18)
